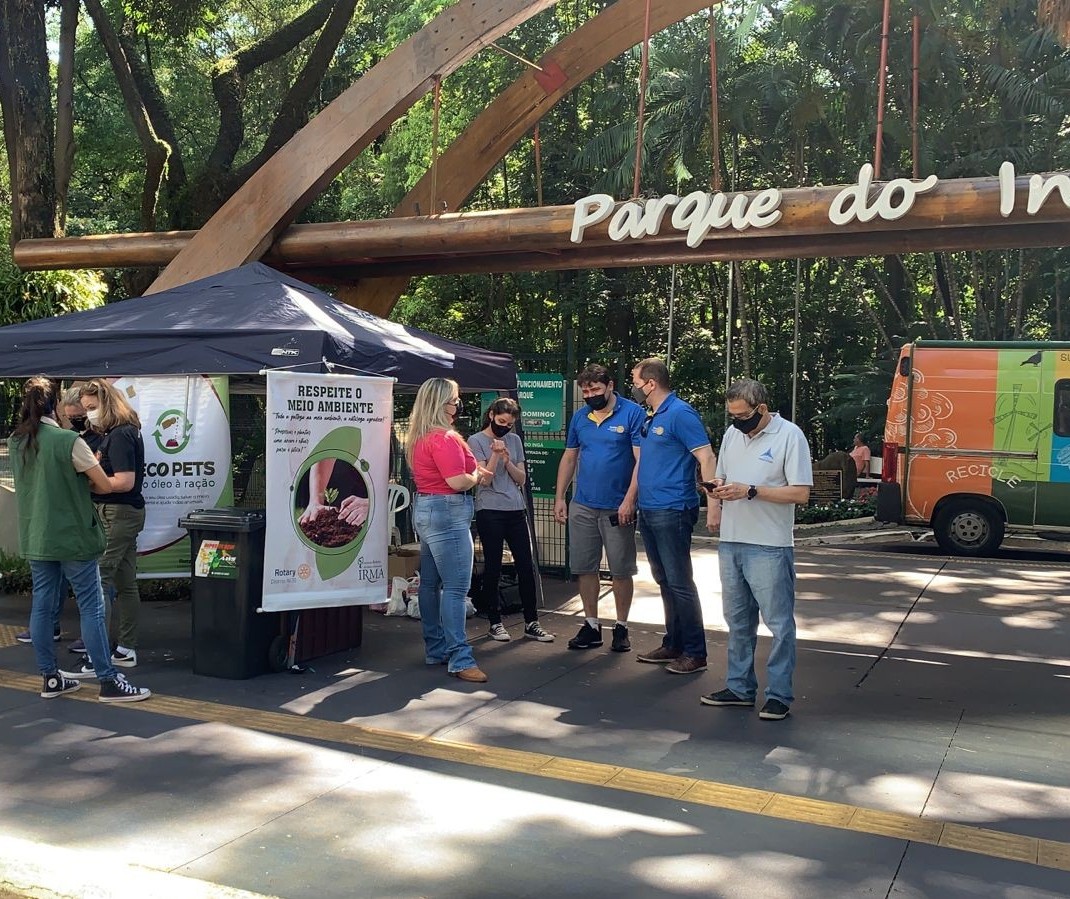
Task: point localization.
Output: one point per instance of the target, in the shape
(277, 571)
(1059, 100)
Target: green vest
(57, 519)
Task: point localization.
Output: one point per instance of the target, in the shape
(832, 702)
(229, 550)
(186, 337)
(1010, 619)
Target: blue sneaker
(25, 637)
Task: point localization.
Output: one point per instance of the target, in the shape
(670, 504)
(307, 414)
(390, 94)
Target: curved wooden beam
(486, 140)
(245, 226)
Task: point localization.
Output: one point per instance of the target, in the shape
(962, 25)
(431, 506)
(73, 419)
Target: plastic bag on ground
(399, 597)
(414, 607)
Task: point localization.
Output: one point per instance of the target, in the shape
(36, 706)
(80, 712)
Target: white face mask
(93, 416)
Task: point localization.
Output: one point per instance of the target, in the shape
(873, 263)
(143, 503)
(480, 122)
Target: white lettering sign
(853, 202)
(698, 213)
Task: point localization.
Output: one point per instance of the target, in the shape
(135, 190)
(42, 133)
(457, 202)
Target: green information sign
(543, 457)
(542, 402)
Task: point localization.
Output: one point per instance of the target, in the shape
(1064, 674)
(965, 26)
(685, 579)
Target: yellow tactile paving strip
(962, 837)
(7, 635)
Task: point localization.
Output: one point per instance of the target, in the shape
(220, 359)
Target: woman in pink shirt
(444, 469)
(860, 453)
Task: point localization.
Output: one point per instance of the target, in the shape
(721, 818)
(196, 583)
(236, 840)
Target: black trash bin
(230, 638)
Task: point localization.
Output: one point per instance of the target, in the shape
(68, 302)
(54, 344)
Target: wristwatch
(752, 492)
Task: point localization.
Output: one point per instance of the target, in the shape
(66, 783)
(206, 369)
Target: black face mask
(498, 430)
(748, 424)
(78, 422)
(597, 403)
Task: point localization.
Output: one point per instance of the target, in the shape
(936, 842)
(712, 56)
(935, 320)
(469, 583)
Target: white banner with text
(328, 453)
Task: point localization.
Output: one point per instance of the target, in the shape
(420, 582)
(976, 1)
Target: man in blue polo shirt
(601, 450)
(673, 441)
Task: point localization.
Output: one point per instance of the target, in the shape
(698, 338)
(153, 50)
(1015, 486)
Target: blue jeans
(84, 578)
(444, 526)
(759, 579)
(667, 539)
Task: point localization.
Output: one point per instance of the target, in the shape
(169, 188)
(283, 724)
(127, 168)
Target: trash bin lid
(226, 518)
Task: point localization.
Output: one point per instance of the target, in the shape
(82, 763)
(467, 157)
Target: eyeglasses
(746, 417)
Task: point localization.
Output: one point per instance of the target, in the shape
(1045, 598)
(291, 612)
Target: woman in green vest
(61, 536)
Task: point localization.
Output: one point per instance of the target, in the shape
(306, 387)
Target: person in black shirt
(122, 456)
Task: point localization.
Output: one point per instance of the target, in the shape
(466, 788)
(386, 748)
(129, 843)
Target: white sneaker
(499, 633)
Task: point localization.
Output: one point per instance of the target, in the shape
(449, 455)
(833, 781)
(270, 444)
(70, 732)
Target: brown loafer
(470, 675)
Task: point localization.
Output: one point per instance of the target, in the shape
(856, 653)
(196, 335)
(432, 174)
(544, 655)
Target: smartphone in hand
(709, 485)
(614, 520)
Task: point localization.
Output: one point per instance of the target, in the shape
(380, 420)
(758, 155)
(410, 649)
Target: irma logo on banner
(172, 432)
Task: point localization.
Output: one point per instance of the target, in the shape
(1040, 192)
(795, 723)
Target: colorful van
(978, 441)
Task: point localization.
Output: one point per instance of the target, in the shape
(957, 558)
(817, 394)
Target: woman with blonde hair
(122, 456)
(443, 468)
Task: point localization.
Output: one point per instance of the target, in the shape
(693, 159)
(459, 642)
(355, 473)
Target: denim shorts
(589, 531)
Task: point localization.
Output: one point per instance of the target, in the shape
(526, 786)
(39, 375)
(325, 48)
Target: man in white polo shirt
(764, 471)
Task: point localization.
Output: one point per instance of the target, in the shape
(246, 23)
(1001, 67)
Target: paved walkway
(926, 757)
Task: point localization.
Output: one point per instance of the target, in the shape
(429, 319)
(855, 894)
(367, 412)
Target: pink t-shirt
(437, 456)
(861, 455)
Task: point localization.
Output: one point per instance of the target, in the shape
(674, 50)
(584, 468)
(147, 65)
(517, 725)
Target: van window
(1061, 419)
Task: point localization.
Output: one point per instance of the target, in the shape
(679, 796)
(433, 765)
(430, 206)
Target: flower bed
(862, 505)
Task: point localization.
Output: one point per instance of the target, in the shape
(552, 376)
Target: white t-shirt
(776, 456)
(82, 457)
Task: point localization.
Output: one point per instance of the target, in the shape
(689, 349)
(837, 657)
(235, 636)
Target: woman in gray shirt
(501, 517)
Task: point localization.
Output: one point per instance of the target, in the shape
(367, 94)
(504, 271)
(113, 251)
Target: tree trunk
(28, 125)
(155, 107)
(228, 79)
(293, 111)
(744, 321)
(156, 151)
(68, 25)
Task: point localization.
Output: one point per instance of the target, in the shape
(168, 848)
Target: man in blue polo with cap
(673, 443)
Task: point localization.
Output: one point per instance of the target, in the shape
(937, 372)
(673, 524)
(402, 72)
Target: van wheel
(968, 528)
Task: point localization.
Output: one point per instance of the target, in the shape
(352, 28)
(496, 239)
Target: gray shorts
(589, 531)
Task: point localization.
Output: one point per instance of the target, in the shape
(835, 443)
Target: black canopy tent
(241, 322)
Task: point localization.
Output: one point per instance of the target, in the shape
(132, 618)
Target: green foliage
(26, 296)
(862, 505)
(15, 574)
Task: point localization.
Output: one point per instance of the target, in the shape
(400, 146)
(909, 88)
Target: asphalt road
(925, 755)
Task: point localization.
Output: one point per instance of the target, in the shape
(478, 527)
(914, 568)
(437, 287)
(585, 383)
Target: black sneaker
(82, 672)
(774, 710)
(726, 698)
(124, 658)
(588, 638)
(56, 685)
(121, 690)
(77, 647)
(621, 643)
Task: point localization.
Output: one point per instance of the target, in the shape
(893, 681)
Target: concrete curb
(31, 869)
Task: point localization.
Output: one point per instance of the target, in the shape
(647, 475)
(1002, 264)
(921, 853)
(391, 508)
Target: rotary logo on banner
(328, 449)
